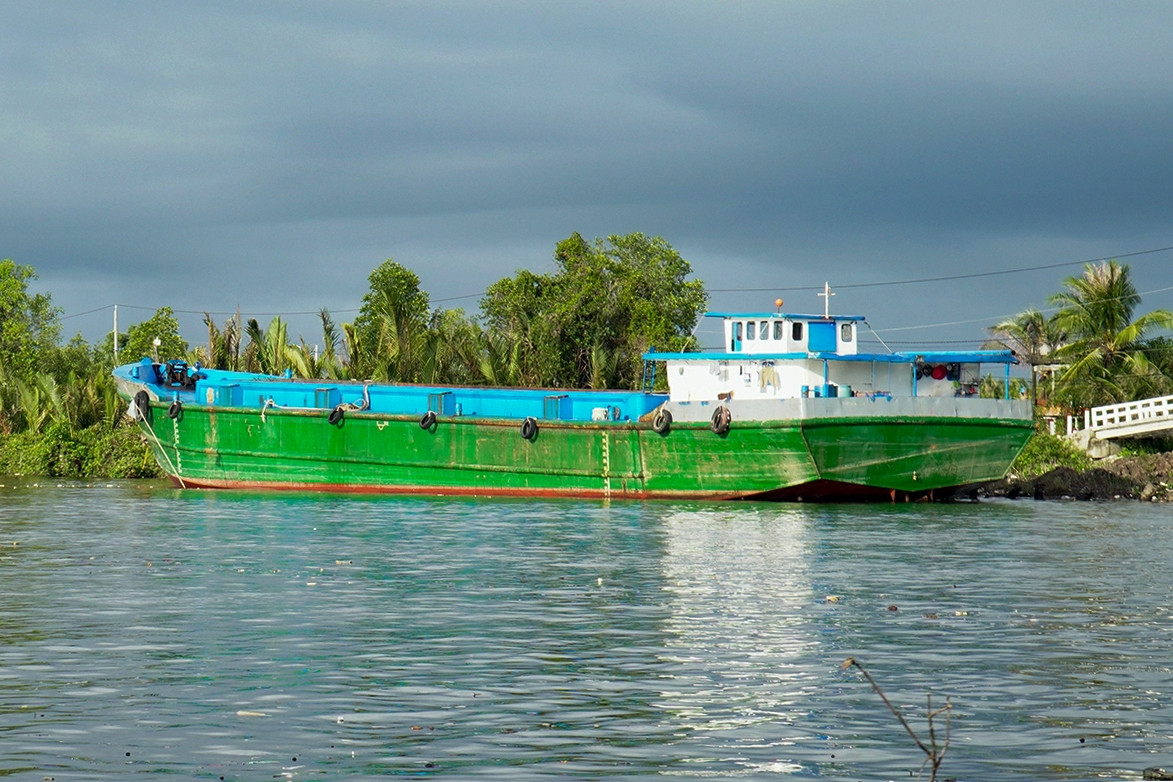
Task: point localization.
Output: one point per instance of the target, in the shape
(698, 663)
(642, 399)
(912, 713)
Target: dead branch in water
(934, 753)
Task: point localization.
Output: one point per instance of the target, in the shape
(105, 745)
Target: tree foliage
(1106, 352)
(1034, 337)
(1045, 452)
(163, 326)
(388, 337)
(588, 323)
(585, 324)
(1107, 348)
(224, 345)
(29, 327)
(269, 351)
(451, 349)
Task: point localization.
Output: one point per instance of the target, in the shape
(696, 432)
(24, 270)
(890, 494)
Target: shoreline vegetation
(584, 325)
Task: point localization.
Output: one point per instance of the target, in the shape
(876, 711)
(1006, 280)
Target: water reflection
(222, 634)
(739, 595)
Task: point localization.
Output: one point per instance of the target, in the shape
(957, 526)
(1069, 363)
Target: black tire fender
(429, 420)
(175, 410)
(529, 428)
(721, 420)
(336, 415)
(142, 403)
(662, 422)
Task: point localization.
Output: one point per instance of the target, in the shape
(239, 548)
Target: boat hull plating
(816, 458)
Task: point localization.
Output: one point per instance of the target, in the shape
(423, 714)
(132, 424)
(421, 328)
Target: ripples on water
(251, 637)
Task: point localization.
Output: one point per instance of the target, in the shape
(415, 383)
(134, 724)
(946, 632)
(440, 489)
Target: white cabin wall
(857, 374)
(698, 380)
(707, 380)
(848, 347)
(786, 343)
(897, 379)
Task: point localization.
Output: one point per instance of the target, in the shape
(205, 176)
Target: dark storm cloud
(269, 155)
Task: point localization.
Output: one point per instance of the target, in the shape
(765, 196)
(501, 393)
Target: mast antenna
(826, 294)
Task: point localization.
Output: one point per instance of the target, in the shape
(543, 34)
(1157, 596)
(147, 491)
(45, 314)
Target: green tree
(1033, 336)
(520, 327)
(88, 391)
(499, 361)
(451, 349)
(28, 322)
(317, 361)
(223, 344)
(389, 335)
(589, 323)
(330, 364)
(1106, 348)
(163, 326)
(269, 351)
(11, 412)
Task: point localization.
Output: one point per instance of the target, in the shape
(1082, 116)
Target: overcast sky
(269, 155)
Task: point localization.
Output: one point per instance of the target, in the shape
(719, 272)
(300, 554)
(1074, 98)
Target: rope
(162, 450)
(362, 404)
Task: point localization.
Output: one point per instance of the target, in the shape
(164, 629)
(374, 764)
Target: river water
(202, 635)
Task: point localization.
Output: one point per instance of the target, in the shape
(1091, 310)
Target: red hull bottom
(813, 491)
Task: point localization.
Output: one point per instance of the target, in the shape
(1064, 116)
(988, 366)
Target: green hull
(915, 454)
(809, 458)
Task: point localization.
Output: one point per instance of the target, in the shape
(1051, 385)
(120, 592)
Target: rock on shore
(1147, 478)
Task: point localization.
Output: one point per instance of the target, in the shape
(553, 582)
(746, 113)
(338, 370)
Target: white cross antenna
(826, 294)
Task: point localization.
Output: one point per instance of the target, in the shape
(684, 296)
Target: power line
(198, 312)
(87, 312)
(880, 284)
(972, 276)
(999, 317)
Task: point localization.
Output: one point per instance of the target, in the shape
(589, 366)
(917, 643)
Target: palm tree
(223, 346)
(355, 364)
(604, 366)
(1033, 337)
(1106, 349)
(400, 339)
(330, 365)
(388, 338)
(269, 351)
(500, 359)
(308, 362)
(451, 349)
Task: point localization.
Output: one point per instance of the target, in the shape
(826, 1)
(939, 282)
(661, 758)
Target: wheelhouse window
(736, 336)
(763, 330)
(749, 329)
(779, 329)
(845, 332)
(796, 331)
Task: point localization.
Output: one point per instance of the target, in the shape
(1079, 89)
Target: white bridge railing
(1130, 418)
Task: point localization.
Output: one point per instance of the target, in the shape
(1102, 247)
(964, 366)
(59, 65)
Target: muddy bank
(1148, 478)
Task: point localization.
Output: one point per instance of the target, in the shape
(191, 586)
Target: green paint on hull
(298, 449)
(915, 454)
